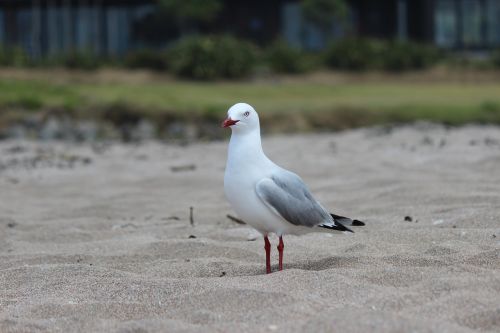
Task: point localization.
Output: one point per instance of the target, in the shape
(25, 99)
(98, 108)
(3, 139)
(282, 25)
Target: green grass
(35, 95)
(321, 105)
(294, 97)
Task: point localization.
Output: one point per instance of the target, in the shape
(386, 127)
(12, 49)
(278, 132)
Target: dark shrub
(146, 58)
(495, 58)
(80, 60)
(403, 55)
(366, 54)
(354, 54)
(282, 58)
(14, 56)
(212, 57)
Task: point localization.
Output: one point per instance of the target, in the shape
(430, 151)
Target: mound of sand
(98, 238)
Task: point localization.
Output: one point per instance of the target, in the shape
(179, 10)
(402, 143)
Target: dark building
(51, 27)
(450, 24)
(112, 27)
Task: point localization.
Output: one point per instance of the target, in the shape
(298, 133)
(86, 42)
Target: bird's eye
(246, 114)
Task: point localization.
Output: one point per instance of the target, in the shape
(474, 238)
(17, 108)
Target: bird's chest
(239, 188)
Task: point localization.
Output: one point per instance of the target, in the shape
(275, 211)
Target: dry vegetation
(321, 100)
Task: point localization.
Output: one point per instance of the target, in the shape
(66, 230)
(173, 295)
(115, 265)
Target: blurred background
(137, 69)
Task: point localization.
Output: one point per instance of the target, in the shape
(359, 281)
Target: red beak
(228, 122)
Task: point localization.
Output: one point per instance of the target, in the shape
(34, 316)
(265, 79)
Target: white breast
(239, 187)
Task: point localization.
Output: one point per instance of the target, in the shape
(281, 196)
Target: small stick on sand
(235, 219)
(191, 219)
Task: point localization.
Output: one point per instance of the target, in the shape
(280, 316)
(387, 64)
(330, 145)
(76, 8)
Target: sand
(98, 237)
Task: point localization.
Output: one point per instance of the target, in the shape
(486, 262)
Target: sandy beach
(98, 237)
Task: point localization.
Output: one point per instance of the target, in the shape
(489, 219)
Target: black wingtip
(338, 227)
(346, 220)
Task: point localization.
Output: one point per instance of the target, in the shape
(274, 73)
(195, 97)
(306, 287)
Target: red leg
(267, 246)
(281, 246)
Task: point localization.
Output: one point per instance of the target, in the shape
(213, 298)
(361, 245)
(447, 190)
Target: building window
(493, 22)
(445, 18)
(468, 24)
(2, 37)
(472, 18)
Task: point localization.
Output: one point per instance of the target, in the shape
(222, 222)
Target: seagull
(268, 197)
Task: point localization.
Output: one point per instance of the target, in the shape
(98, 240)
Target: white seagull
(269, 198)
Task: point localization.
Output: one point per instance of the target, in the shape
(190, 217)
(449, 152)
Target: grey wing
(287, 195)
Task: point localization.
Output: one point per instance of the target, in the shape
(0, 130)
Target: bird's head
(241, 117)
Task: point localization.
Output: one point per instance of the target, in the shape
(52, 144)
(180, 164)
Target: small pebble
(13, 180)
(408, 218)
(180, 168)
(358, 223)
(192, 236)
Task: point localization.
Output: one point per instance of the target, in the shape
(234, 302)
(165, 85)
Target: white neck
(246, 147)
